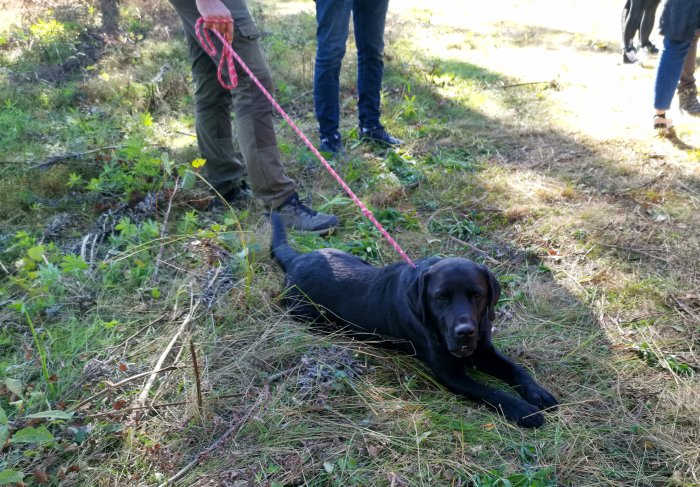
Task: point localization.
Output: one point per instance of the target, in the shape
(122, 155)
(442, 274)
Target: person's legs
(687, 89)
(687, 80)
(256, 130)
(667, 75)
(333, 23)
(647, 24)
(212, 109)
(256, 134)
(369, 17)
(632, 22)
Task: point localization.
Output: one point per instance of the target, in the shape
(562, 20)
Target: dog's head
(457, 296)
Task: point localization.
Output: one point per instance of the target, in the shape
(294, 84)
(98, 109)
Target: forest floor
(529, 148)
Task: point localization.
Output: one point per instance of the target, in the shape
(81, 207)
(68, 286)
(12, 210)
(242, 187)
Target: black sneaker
(379, 135)
(298, 216)
(238, 195)
(332, 144)
(629, 56)
(650, 49)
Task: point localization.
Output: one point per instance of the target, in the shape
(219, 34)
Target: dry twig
(637, 251)
(195, 366)
(72, 155)
(111, 386)
(149, 384)
(163, 232)
(476, 249)
(233, 429)
(138, 332)
(688, 311)
(118, 412)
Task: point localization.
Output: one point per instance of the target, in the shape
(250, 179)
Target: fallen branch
(117, 412)
(476, 249)
(685, 308)
(637, 251)
(278, 375)
(195, 366)
(125, 342)
(163, 231)
(658, 177)
(111, 385)
(149, 384)
(71, 155)
(233, 429)
(552, 83)
(134, 408)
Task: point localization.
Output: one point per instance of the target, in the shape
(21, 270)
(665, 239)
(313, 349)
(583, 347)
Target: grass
(589, 225)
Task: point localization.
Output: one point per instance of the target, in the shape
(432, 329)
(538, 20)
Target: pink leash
(227, 58)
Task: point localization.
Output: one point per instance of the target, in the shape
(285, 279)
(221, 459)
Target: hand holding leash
(217, 17)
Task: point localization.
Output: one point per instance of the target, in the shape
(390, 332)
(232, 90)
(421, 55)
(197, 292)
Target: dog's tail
(280, 248)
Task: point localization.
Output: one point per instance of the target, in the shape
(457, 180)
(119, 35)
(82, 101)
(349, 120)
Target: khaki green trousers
(253, 112)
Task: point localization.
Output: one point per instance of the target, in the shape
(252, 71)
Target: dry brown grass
(589, 221)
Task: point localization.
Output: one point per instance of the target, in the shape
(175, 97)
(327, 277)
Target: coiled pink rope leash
(227, 57)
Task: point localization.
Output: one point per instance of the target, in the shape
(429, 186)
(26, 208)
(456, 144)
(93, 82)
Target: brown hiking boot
(688, 102)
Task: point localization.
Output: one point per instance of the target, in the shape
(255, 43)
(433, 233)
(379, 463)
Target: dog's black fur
(441, 312)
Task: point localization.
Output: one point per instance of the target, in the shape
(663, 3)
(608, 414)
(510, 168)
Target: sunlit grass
(588, 223)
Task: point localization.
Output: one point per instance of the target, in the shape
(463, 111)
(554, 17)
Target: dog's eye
(476, 297)
(441, 297)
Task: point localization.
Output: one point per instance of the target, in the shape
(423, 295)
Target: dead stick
(196, 376)
(157, 406)
(163, 232)
(527, 84)
(278, 375)
(684, 308)
(111, 386)
(72, 155)
(636, 251)
(135, 408)
(149, 384)
(476, 249)
(214, 446)
(138, 332)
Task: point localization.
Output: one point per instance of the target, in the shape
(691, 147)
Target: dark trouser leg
(687, 80)
(632, 22)
(647, 23)
(333, 24)
(256, 133)
(369, 17)
(256, 130)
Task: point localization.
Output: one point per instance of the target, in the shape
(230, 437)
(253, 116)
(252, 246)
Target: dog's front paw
(540, 397)
(524, 414)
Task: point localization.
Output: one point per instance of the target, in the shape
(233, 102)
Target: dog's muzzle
(461, 352)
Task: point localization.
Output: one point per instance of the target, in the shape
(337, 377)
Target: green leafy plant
(671, 362)
(461, 228)
(404, 167)
(21, 308)
(536, 478)
(408, 108)
(53, 41)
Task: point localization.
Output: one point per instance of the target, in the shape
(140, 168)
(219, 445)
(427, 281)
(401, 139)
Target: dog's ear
(494, 292)
(417, 298)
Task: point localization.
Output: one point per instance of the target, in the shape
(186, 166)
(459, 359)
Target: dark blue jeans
(333, 20)
(669, 72)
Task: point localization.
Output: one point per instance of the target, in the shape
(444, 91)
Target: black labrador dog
(440, 311)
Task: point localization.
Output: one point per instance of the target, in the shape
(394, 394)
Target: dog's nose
(465, 330)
